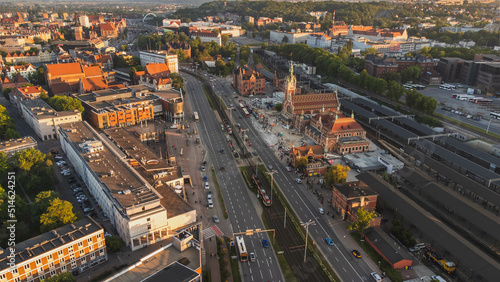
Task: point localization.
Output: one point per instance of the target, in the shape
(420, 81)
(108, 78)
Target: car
(356, 253)
(88, 209)
(60, 163)
(75, 191)
(216, 219)
(270, 167)
(207, 186)
(298, 180)
(209, 196)
(321, 211)
(252, 257)
(265, 243)
(210, 203)
(222, 168)
(71, 180)
(205, 178)
(329, 241)
(376, 277)
(107, 234)
(288, 168)
(203, 168)
(221, 151)
(204, 163)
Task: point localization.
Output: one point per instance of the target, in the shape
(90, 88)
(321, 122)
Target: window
(61, 261)
(82, 252)
(40, 270)
(101, 252)
(149, 219)
(38, 261)
(49, 257)
(42, 277)
(73, 265)
(14, 271)
(91, 247)
(92, 256)
(26, 266)
(80, 244)
(63, 268)
(99, 236)
(149, 226)
(100, 244)
(51, 264)
(2, 276)
(84, 260)
(53, 273)
(60, 252)
(18, 279)
(70, 249)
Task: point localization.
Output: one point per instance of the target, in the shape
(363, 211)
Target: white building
(161, 57)
(136, 209)
(207, 36)
(292, 37)
(319, 40)
(84, 21)
(44, 120)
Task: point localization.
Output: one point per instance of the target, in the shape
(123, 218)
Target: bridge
(148, 14)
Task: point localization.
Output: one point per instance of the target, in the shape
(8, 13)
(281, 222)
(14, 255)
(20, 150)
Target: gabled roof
(92, 71)
(302, 151)
(20, 79)
(345, 123)
(30, 89)
(156, 68)
(93, 84)
(6, 79)
(64, 69)
(107, 26)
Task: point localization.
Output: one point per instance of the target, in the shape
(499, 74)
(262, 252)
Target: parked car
(376, 277)
(321, 211)
(216, 219)
(88, 209)
(207, 186)
(270, 167)
(288, 168)
(203, 168)
(205, 178)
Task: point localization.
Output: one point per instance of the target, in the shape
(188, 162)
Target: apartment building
(348, 197)
(10, 147)
(160, 57)
(75, 247)
(207, 36)
(319, 40)
(288, 37)
(379, 64)
(24, 93)
(248, 81)
(134, 207)
(44, 120)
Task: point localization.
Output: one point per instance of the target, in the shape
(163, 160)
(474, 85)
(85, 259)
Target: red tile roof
(92, 71)
(156, 68)
(93, 84)
(107, 26)
(64, 69)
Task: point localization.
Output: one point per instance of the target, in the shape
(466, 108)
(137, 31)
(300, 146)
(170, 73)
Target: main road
(243, 215)
(306, 206)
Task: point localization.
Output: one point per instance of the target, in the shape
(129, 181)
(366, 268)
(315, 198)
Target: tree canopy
(58, 214)
(336, 174)
(363, 219)
(7, 125)
(65, 103)
(62, 277)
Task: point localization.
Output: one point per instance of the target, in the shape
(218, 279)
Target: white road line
(262, 276)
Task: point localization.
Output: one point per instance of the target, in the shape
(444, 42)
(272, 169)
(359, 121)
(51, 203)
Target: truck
(432, 255)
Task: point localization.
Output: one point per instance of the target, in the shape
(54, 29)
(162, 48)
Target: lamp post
(272, 173)
(306, 224)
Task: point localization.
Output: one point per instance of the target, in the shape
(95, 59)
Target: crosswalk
(211, 231)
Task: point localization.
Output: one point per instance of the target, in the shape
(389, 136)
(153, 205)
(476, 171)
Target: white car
(298, 180)
(376, 277)
(321, 211)
(207, 186)
(60, 163)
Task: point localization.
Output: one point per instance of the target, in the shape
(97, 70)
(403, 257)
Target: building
(172, 103)
(24, 93)
(431, 77)
(120, 107)
(348, 197)
(375, 34)
(379, 64)
(10, 147)
(482, 72)
(319, 40)
(160, 57)
(207, 36)
(78, 33)
(108, 30)
(74, 248)
(64, 78)
(248, 82)
(44, 120)
(142, 213)
(315, 159)
(84, 21)
(387, 248)
(155, 75)
(24, 70)
(288, 37)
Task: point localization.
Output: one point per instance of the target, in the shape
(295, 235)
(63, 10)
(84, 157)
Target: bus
(242, 249)
(196, 118)
(241, 105)
(245, 111)
(495, 115)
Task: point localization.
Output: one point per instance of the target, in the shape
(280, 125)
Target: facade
(348, 197)
(108, 30)
(378, 65)
(160, 57)
(135, 208)
(483, 72)
(207, 36)
(10, 147)
(24, 70)
(84, 21)
(24, 93)
(248, 82)
(315, 157)
(74, 248)
(155, 75)
(288, 37)
(319, 40)
(375, 34)
(44, 120)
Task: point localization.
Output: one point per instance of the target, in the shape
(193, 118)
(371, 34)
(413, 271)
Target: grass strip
(393, 274)
(466, 125)
(223, 205)
(208, 97)
(235, 267)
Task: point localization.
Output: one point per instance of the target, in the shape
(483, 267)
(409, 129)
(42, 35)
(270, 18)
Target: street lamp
(272, 173)
(306, 225)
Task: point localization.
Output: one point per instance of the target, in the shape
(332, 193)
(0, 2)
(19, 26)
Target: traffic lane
(225, 158)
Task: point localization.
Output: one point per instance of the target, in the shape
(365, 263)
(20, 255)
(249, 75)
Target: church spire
(352, 114)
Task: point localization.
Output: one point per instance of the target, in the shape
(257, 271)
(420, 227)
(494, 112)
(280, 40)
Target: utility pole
(306, 224)
(272, 173)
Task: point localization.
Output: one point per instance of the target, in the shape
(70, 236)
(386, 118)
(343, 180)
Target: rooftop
(386, 245)
(42, 110)
(355, 189)
(48, 241)
(123, 184)
(14, 143)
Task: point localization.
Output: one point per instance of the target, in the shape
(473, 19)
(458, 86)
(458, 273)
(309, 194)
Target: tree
(6, 92)
(114, 243)
(411, 73)
(336, 174)
(7, 125)
(278, 107)
(65, 103)
(177, 81)
(26, 159)
(225, 39)
(395, 90)
(302, 164)
(58, 214)
(371, 51)
(363, 219)
(62, 277)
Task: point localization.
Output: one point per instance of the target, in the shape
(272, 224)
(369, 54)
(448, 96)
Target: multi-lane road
(242, 214)
(306, 206)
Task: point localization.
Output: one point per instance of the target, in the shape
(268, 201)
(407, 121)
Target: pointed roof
(6, 79)
(156, 68)
(93, 84)
(64, 69)
(345, 123)
(92, 71)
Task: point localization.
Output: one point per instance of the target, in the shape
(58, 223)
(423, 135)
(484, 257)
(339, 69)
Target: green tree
(395, 91)
(62, 277)
(6, 92)
(363, 219)
(302, 164)
(26, 159)
(58, 214)
(177, 81)
(65, 103)
(336, 174)
(278, 107)
(371, 51)
(7, 125)
(114, 243)
(411, 74)
(225, 39)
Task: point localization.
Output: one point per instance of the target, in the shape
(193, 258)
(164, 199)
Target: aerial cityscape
(250, 141)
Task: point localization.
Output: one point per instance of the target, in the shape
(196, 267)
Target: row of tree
(7, 125)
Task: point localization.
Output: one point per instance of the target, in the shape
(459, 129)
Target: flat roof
(122, 182)
(168, 94)
(14, 143)
(369, 160)
(355, 189)
(48, 241)
(175, 272)
(42, 110)
(472, 212)
(461, 249)
(454, 143)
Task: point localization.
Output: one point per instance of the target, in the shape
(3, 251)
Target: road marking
(271, 273)
(262, 276)
(336, 259)
(344, 269)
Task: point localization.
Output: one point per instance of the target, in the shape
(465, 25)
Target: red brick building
(108, 30)
(379, 64)
(348, 197)
(248, 82)
(315, 156)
